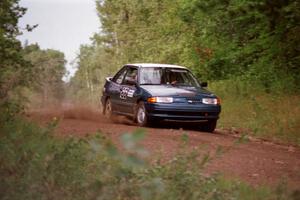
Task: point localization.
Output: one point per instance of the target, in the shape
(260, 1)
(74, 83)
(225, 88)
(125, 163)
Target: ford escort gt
(151, 92)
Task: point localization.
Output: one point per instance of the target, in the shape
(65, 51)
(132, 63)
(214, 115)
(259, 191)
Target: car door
(128, 90)
(115, 89)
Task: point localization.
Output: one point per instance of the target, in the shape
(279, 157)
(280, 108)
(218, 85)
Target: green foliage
(14, 70)
(252, 39)
(48, 68)
(34, 165)
(37, 165)
(94, 64)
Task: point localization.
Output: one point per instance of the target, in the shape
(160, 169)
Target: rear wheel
(209, 126)
(141, 117)
(107, 109)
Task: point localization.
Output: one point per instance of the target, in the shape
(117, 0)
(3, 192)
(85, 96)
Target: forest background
(249, 51)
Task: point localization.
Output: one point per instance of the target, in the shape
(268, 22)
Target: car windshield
(172, 76)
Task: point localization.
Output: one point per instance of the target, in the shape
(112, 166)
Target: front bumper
(183, 112)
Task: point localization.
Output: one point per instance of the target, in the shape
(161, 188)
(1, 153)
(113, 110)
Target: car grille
(194, 100)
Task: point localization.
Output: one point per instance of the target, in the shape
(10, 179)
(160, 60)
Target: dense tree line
(95, 62)
(252, 41)
(26, 69)
(49, 69)
(14, 70)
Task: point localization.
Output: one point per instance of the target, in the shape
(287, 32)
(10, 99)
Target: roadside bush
(36, 165)
(250, 108)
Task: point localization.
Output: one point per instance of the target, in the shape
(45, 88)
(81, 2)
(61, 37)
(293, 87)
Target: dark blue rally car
(152, 92)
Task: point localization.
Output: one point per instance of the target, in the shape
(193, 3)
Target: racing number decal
(126, 92)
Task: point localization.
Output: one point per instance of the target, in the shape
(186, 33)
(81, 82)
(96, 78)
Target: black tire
(107, 110)
(209, 126)
(141, 117)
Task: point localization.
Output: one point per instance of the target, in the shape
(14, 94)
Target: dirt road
(257, 162)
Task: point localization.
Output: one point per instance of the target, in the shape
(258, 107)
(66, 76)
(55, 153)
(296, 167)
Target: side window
(131, 76)
(120, 76)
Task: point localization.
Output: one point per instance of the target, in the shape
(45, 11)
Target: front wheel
(141, 117)
(209, 126)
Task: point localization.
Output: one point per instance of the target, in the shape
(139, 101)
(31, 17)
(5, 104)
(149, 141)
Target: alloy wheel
(141, 115)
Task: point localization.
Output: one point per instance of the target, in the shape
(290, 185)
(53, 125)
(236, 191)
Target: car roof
(156, 65)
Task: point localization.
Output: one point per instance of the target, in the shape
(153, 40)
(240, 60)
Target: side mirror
(203, 84)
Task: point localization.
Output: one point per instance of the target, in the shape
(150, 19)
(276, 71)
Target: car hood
(176, 91)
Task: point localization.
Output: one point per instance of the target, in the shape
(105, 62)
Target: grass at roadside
(37, 165)
(270, 116)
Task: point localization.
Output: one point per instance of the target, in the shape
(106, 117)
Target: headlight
(211, 101)
(160, 100)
